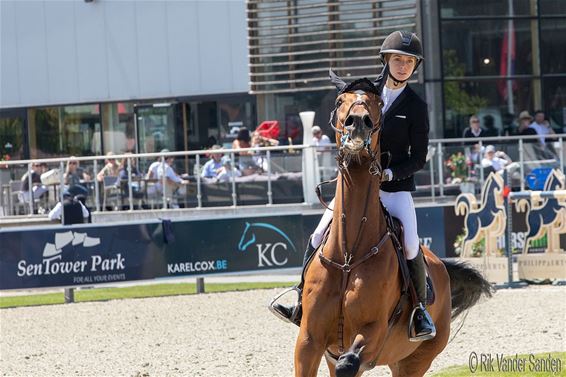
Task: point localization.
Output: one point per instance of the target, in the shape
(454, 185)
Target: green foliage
(456, 98)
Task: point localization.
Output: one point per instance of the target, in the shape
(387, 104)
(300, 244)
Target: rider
(403, 142)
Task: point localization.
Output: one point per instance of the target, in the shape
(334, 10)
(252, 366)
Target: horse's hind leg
(308, 353)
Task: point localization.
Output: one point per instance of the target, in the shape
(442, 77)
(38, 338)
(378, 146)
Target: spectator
(227, 171)
(75, 177)
(73, 210)
(318, 138)
(212, 166)
(39, 190)
(524, 129)
(474, 130)
(541, 126)
(489, 124)
(498, 161)
(110, 169)
(173, 182)
(152, 170)
(123, 176)
(243, 140)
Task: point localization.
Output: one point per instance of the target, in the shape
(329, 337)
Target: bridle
(375, 158)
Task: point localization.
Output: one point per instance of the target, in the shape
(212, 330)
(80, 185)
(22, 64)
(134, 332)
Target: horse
(548, 214)
(354, 311)
(489, 217)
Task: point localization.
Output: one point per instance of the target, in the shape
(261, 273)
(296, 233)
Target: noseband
(375, 163)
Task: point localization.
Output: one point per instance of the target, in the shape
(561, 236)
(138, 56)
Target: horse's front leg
(308, 353)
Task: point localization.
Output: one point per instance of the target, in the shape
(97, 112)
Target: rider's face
(402, 66)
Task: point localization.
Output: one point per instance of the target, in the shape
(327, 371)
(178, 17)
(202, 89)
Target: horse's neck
(354, 202)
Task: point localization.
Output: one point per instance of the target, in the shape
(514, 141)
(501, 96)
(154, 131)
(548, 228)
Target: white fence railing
(270, 175)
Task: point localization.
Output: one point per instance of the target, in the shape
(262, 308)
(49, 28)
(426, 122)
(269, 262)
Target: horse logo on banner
(545, 215)
(486, 219)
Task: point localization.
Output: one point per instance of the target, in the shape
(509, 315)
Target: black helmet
(404, 43)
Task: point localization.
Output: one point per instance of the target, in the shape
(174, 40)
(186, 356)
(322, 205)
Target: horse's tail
(463, 204)
(467, 285)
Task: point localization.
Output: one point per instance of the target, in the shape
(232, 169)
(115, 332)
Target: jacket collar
(405, 94)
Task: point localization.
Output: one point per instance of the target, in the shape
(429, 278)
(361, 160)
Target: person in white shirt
(541, 126)
(318, 138)
(498, 161)
(152, 170)
(227, 171)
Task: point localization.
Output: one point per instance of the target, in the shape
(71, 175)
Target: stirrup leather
(412, 332)
(296, 308)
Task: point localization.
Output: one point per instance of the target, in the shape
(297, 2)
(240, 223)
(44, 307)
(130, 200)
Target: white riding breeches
(400, 205)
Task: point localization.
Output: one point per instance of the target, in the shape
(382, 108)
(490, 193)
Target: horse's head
(357, 119)
(555, 181)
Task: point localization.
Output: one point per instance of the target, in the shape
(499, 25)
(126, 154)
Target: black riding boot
(293, 313)
(420, 319)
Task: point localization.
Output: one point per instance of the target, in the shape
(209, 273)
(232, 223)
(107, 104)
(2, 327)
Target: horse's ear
(379, 82)
(337, 81)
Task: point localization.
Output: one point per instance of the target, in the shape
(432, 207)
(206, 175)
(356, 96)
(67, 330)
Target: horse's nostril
(349, 121)
(368, 122)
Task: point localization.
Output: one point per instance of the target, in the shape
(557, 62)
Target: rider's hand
(387, 175)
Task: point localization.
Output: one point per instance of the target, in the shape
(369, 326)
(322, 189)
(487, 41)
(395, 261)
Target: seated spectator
(489, 125)
(152, 170)
(227, 171)
(39, 190)
(498, 161)
(474, 130)
(123, 175)
(110, 169)
(211, 168)
(524, 129)
(261, 141)
(318, 138)
(243, 140)
(541, 126)
(75, 177)
(173, 182)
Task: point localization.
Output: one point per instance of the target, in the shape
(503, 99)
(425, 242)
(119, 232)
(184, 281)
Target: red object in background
(506, 191)
(268, 129)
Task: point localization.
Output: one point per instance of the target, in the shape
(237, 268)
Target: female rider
(404, 140)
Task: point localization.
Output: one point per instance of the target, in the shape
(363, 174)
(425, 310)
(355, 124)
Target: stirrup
(412, 332)
(296, 309)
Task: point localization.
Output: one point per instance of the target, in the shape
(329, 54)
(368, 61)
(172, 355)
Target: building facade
(84, 78)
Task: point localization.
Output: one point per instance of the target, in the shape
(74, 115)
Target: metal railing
(278, 176)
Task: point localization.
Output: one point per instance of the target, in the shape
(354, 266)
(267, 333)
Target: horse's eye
(338, 102)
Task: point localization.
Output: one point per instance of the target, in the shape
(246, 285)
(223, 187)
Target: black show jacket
(404, 135)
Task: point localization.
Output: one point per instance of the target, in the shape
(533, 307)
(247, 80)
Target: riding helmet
(402, 42)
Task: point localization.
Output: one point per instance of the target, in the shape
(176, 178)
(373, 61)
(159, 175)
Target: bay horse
(353, 310)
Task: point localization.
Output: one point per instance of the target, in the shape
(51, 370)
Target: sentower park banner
(53, 256)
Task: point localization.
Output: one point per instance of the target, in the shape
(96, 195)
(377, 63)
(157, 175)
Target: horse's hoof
(348, 365)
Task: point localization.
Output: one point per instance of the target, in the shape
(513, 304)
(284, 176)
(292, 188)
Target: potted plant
(461, 172)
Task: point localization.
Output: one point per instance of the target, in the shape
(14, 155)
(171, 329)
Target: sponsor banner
(494, 269)
(73, 256)
(79, 255)
(542, 266)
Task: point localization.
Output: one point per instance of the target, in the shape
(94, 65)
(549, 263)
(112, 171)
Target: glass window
(64, 131)
(156, 127)
(11, 138)
(118, 128)
(474, 48)
(552, 7)
(553, 42)
(554, 99)
(460, 8)
(486, 98)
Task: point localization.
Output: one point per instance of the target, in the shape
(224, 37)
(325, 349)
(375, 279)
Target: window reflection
(64, 131)
(11, 138)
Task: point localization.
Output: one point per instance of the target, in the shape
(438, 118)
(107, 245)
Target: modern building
(85, 77)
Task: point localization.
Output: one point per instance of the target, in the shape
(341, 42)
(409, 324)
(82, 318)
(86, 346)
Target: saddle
(396, 228)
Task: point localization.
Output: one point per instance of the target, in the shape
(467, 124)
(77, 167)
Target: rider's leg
(400, 205)
(294, 313)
